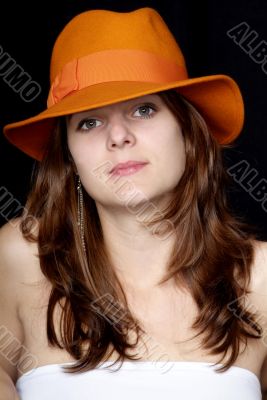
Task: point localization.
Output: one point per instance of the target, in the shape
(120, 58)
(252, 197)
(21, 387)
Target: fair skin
(117, 133)
(120, 133)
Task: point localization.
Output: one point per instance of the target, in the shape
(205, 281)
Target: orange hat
(103, 57)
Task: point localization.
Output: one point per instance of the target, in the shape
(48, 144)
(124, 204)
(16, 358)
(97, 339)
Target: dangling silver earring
(80, 221)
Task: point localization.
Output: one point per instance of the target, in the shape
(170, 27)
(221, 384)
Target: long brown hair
(212, 257)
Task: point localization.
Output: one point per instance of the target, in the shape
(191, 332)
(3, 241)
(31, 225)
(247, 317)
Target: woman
(127, 249)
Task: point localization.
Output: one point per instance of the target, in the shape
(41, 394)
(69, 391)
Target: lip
(128, 167)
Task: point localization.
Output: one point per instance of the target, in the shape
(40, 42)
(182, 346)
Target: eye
(87, 124)
(143, 110)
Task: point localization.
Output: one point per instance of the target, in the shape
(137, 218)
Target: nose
(119, 134)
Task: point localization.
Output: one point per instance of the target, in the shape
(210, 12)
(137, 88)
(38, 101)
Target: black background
(28, 32)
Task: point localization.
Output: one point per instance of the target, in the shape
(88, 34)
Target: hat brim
(216, 97)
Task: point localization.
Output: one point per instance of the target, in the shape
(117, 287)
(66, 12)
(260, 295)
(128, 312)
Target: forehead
(147, 98)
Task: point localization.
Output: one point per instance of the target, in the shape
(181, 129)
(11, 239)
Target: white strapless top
(140, 380)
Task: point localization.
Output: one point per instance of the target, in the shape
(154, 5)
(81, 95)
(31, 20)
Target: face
(141, 129)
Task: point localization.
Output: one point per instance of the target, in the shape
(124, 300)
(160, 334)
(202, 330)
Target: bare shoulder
(258, 287)
(19, 269)
(10, 235)
(257, 300)
(260, 249)
(258, 284)
(259, 268)
(17, 254)
(260, 293)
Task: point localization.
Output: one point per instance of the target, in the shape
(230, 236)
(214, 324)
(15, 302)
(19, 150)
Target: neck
(140, 258)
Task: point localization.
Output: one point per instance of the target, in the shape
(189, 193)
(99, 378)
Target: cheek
(173, 151)
(170, 138)
(82, 153)
(180, 149)
(179, 158)
(89, 167)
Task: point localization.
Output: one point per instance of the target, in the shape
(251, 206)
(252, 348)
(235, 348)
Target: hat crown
(97, 30)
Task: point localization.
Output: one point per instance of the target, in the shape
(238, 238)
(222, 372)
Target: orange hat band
(113, 65)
